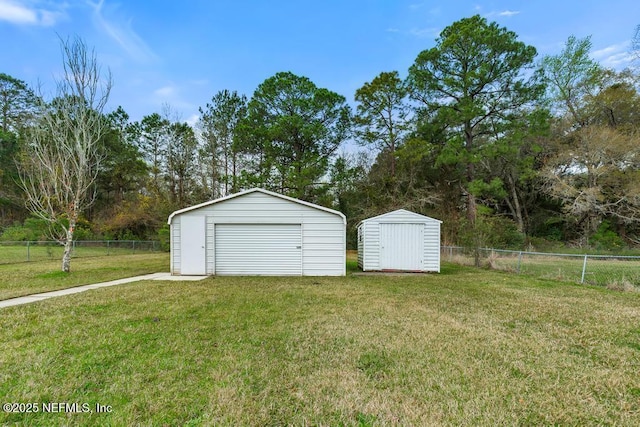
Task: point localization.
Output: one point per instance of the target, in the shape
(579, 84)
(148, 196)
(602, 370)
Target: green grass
(29, 278)
(600, 271)
(49, 251)
(464, 347)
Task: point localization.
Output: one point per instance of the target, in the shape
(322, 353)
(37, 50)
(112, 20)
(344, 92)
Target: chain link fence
(613, 271)
(14, 252)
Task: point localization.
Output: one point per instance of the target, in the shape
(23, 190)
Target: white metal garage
(258, 232)
(401, 241)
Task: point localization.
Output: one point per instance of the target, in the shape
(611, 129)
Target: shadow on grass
(352, 267)
(445, 268)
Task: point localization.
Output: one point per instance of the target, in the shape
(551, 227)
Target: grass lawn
(29, 278)
(600, 271)
(49, 251)
(464, 347)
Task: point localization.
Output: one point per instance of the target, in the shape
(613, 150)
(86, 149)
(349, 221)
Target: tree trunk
(234, 164)
(68, 247)
(517, 209)
(472, 210)
(393, 158)
(226, 167)
(214, 177)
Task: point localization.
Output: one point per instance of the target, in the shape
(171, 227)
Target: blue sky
(182, 53)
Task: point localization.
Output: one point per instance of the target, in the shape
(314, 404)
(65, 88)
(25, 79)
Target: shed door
(259, 249)
(192, 245)
(401, 246)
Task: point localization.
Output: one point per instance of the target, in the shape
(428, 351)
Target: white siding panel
(175, 246)
(211, 255)
(372, 247)
(432, 247)
(254, 249)
(360, 247)
(324, 245)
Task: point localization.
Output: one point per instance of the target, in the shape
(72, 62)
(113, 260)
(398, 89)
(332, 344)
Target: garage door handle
(298, 247)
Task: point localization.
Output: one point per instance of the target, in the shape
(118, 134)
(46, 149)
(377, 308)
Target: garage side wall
(210, 255)
(175, 245)
(360, 246)
(371, 246)
(323, 233)
(432, 246)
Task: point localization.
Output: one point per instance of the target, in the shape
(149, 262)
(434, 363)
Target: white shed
(258, 232)
(400, 240)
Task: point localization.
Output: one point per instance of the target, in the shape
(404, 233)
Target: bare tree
(595, 175)
(62, 154)
(635, 43)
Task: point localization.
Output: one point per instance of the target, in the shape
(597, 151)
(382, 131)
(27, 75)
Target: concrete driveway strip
(69, 291)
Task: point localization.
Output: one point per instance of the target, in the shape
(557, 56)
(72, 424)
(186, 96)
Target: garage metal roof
(259, 190)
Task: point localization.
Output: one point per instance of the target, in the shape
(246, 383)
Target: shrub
(606, 239)
(492, 231)
(17, 233)
(32, 229)
(164, 237)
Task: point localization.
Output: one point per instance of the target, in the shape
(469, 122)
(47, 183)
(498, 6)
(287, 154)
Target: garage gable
(258, 190)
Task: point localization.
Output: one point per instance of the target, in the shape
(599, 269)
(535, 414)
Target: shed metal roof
(400, 211)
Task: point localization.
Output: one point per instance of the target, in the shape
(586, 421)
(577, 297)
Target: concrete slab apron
(45, 295)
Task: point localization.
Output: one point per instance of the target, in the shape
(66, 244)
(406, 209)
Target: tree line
(505, 147)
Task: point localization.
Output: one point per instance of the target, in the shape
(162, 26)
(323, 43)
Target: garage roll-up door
(258, 249)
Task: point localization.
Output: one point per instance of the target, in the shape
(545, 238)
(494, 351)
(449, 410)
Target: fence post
(28, 251)
(108, 247)
(519, 261)
(134, 246)
(584, 268)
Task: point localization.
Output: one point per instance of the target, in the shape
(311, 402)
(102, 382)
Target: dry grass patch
(465, 347)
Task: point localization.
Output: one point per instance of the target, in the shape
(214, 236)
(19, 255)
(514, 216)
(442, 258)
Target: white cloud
(171, 97)
(508, 13)
(28, 13)
(121, 31)
(200, 82)
(425, 32)
(615, 56)
(192, 119)
(17, 13)
(505, 13)
(165, 91)
(49, 18)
